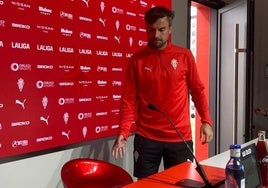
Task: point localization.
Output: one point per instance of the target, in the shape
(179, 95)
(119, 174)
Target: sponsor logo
(44, 139)
(85, 99)
(131, 27)
(143, 3)
(66, 32)
(44, 84)
(131, 14)
(20, 84)
(66, 134)
(84, 131)
(116, 10)
(20, 123)
(1, 44)
(85, 82)
(102, 69)
(1, 105)
(44, 102)
(115, 111)
(50, 67)
(1, 2)
(63, 84)
(20, 26)
(63, 101)
(44, 119)
(86, 19)
(102, 21)
(66, 50)
(101, 97)
(114, 126)
(21, 103)
(102, 6)
(46, 48)
(116, 83)
(117, 24)
(117, 69)
(85, 51)
(141, 15)
(142, 30)
(66, 15)
(100, 37)
(102, 53)
(101, 114)
(20, 45)
(128, 55)
(86, 2)
(117, 38)
(100, 129)
(17, 143)
(66, 67)
(117, 54)
(85, 35)
(45, 11)
(142, 43)
(66, 117)
(116, 97)
(17, 67)
(20, 5)
(84, 115)
(45, 28)
(2, 23)
(101, 83)
(85, 68)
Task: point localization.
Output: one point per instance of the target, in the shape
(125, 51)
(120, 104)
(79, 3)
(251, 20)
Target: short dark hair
(157, 12)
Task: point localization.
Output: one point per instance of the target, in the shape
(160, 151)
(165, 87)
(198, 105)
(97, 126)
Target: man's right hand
(119, 147)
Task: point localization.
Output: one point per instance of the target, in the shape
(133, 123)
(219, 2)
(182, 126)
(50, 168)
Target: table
(214, 168)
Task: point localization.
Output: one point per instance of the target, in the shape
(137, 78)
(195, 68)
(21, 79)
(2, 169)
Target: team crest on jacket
(174, 63)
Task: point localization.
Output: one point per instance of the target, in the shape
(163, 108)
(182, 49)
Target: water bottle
(234, 170)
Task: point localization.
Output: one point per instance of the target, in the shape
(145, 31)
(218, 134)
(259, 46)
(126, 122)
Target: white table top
(221, 159)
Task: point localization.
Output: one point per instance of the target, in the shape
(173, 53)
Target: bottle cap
(235, 150)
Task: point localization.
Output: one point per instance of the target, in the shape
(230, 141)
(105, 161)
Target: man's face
(158, 33)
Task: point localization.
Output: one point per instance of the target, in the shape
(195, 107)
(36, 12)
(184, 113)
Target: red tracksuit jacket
(164, 78)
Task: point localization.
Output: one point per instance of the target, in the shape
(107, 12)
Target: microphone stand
(198, 168)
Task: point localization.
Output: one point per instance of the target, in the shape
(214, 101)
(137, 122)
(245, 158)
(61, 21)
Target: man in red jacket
(164, 75)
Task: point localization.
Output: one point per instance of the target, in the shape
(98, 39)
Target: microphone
(199, 169)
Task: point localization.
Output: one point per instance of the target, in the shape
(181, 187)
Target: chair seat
(92, 173)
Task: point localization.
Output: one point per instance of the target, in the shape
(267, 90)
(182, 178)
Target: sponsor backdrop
(62, 65)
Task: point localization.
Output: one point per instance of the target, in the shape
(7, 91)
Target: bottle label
(232, 183)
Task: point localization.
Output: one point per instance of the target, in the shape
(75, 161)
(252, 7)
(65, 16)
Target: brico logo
(20, 123)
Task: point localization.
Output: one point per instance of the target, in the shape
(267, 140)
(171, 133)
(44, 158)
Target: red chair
(92, 173)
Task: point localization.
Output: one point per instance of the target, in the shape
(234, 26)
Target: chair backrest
(92, 173)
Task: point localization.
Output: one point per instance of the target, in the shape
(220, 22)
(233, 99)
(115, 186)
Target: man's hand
(119, 147)
(206, 133)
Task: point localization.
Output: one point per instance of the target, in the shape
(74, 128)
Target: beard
(157, 43)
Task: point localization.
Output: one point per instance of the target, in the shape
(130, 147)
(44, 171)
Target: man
(164, 75)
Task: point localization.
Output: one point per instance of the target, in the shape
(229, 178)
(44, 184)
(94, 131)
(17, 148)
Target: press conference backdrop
(62, 67)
